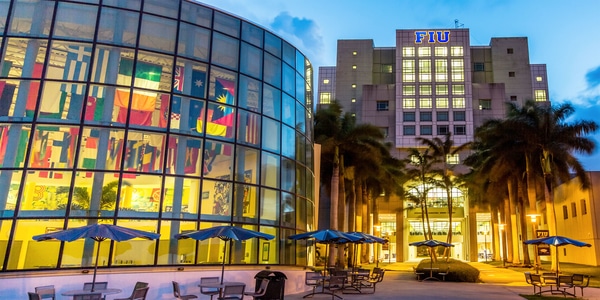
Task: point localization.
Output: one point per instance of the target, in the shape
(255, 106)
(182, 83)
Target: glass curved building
(163, 116)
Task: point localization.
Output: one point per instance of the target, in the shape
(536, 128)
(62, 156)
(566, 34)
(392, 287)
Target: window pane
(225, 51)
(272, 70)
(252, 34)
(251, 61)
(80, 27)
(227, 24)
(194, 42)
(271, 102)
(158, 33)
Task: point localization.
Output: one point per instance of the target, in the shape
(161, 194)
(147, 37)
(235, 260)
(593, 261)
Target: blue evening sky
(564, 35)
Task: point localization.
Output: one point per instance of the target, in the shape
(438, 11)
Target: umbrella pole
(223, 262)
(96, 267)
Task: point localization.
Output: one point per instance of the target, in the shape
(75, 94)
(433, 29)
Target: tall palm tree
(441, 150)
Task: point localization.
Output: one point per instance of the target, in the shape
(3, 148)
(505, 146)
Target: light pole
(533, 218)
(502, 232)
(376, 229)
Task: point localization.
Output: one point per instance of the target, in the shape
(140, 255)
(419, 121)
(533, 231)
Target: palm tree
(441, 150)
(342, 141)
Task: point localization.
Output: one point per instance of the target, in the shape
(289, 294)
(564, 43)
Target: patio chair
(46, 292)
(138, 285)
(538, 283)
(137, 294)
(445, 273)
(233, 292)
(262, 290)
(418, 273)
(580, 281)
(33, 296)
(209, 291)
(372, 282)
(178, 295)
(102, 285)
(92, 296)
(313, 279)
(336, 283)
(565, 282)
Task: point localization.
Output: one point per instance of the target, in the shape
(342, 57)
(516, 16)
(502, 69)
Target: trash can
(276, 287)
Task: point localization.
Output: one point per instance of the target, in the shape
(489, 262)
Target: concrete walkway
(498, 283)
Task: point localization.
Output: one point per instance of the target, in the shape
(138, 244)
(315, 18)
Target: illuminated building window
(425, 103)
(441, 70)
(485, 104)
(353, 100)
(441, 89)
(408, 116)
(441, 116)
(425, 90)
(441, 51)
(441, 103)
(409, 103)
(458, 89)
(458, 70)
(353, 67)
(387, 69)
(408, 90)
(325, 98)
(426, 130)
(453, 159)
(424, 70)
(383, 105)
(456, 51)
(325, 81)
(354, 85)
(540, 95)
(354, 53)
(539, 79)
(424, 51)
(460, 130)
(409, 130)
(408, 71)
(408, 51)
(458, 103)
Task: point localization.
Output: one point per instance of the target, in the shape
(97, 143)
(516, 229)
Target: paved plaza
(499, 283)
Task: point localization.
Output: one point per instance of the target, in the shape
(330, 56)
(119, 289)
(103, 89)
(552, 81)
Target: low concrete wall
(16, 285)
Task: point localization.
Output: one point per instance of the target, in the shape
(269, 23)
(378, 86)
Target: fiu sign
(432, 36)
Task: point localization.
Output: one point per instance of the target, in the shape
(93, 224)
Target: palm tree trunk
(341, 211)
(366, 213)
(447, 250)
(335, 189)
(523, 221)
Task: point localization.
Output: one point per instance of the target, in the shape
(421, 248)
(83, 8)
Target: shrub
(459, 271)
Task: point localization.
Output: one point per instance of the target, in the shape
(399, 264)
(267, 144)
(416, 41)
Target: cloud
(301, 32)
(593, 78)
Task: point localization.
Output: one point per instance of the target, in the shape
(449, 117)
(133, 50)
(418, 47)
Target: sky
(564, 35)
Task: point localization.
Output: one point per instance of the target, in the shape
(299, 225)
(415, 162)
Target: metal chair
(262, 289)
(46, 291)
(233, 292)
(580, 281)
(209, 291)
(138, 285)
(92, 296)
(178, 295)
(313, 279)
(102, 285)
(33, 296)
(336, 283)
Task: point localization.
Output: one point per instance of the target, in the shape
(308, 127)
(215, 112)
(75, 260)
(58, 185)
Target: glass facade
(163, 116)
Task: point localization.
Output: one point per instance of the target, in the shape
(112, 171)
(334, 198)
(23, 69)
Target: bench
(580, 281)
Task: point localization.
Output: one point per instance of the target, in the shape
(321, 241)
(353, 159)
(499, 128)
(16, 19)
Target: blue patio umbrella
(365, 238)
(225, 233)
(326, 236)
(557, 241)
(98, 233)
(431, 244)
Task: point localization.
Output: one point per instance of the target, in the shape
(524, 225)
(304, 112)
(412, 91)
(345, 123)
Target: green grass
(459, 271)
(567, 268)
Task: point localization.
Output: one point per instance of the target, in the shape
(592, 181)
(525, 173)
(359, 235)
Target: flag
(34, 88)
(220, 121)
(252, 128)
(94, 109)
(192, 152)
(6, 65)
(224, 91)
(198, 83)
(42, 151)
(149, 158)
(194, 114)
(51, 173)
(89, 152)
(3, 142)
(178, 79)
(7, 91)
(147, 76)
(176, 113)
(171, 154)
(163, 117)
(76, 68)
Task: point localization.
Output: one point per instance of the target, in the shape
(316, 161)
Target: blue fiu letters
(432, 36)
